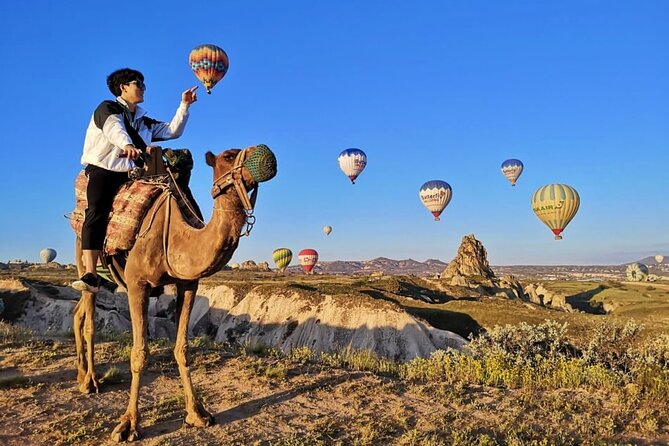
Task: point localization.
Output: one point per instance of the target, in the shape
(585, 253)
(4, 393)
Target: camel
(170, 251)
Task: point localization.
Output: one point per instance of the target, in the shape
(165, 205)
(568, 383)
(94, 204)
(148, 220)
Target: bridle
(234, 177)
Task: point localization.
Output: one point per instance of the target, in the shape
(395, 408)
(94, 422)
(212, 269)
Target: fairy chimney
(471, 260)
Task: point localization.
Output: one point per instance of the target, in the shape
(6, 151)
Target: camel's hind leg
(84, 330)
(196, 414)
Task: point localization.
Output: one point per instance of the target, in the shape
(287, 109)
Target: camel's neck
(197, 253)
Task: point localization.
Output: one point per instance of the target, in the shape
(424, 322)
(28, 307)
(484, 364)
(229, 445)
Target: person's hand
(130, 152)
(189, 96)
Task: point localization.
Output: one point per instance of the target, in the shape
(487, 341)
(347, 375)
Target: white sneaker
(87, 282)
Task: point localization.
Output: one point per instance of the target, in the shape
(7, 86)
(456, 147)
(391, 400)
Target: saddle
(135, 198)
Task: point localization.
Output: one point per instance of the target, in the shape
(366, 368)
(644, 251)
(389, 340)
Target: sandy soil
(269, 400)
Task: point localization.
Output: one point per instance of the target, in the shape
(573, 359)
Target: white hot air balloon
(659, 259)
(435, 196)
(352, 162)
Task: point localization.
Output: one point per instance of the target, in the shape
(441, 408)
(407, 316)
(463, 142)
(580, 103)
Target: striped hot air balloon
(282, 258)
(556, 205)
(512, 168)
(209, 63)
(308, 258)
(435, 195)
(352, 162)
(636, 272)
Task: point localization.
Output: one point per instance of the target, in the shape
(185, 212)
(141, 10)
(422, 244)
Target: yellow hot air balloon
(327, 229)
(282, 258)
(556, 205)
(209, 63)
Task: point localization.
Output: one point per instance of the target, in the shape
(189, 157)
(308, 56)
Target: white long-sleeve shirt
(106, 134)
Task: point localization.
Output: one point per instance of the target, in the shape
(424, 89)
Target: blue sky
(428, 89)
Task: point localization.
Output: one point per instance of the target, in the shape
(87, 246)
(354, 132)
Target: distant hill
(387, 266)
(650, 260)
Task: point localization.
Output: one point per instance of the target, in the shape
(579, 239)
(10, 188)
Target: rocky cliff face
(471, 260)
(284, 318)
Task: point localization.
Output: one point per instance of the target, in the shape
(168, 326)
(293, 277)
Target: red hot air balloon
(308, 258)
(209, 63)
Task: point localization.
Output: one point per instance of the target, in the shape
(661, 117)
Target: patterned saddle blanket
(131, 204)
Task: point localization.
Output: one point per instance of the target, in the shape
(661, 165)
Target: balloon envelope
(637, 272)
(209, 63)
(327, 230)
(308, 258)
(512, 168)
(659, 258)
(352, 162)
(556, 205)
(282, 258)
(47, 255)
(435, 196)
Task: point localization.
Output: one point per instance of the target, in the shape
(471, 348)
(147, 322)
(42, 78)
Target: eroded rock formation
(471, 261)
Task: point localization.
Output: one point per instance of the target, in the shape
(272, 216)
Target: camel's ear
(210, 158)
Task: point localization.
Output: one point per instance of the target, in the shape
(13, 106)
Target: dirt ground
(270, 400)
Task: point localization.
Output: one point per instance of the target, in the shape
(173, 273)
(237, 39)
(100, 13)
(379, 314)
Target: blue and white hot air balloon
(47, 255)
(352, 162)
(512, 168)
(435, 195)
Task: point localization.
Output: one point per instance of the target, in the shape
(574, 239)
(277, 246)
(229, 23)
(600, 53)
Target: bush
(524, 342)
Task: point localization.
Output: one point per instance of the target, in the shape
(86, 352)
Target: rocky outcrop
(284, 319)
(537, 294)
(470, 261)
(328, 323)
(470, 271)
(250, 265)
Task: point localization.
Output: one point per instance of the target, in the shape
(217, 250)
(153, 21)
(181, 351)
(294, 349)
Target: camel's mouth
(261, 164)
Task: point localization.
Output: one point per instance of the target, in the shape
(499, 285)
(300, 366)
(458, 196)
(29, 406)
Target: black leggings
(102, 187)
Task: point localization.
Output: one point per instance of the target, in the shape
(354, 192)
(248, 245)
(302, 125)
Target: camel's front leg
(196, 414)
(138, 301)
(84, 327)
(78, 327)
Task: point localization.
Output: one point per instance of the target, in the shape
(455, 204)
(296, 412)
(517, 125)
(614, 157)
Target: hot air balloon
(282, 258)
(209, 63)
(637, 272)
(659, 259)
(327, 229)
(47, 255)
(435, 195)
(308, 258)
(352, 162)
(556, 205)
(512, 168)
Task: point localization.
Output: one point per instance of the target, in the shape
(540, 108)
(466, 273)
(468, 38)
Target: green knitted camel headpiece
(261, 164)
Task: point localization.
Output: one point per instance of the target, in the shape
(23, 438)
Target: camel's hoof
(89, 384)
(124, 432)
(81, 375)
(201, 418)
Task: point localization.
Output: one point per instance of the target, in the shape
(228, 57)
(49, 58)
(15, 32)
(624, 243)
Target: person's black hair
(121, 77)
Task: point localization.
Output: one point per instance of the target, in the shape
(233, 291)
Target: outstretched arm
(162, 131)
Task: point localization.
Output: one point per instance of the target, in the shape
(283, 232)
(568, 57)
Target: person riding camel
(116, 137)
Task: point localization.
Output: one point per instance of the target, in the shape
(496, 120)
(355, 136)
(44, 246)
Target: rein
(233, 177)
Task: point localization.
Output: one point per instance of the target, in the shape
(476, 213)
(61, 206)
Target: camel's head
(258, 163)
(244, 169)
